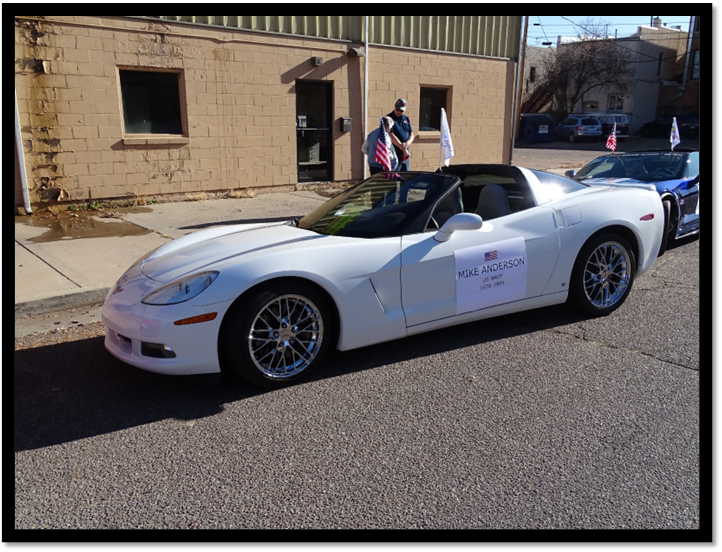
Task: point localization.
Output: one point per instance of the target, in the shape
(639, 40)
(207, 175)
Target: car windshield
(590, 122)
(646, 167)
(387, 204)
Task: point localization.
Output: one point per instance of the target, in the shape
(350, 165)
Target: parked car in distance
(687, 124)
(675, 175)
(578, 127)
(608, 121)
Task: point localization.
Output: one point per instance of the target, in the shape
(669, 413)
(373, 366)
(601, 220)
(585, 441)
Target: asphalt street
(545, 419)
(541, 420)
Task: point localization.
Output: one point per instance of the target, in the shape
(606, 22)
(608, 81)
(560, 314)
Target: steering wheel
(664, 172)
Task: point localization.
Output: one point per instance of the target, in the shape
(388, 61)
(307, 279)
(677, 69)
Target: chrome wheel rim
(607, 275)
(285, 336)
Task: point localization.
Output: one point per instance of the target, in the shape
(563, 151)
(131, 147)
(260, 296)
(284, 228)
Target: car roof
(582, 117)
(598, 114)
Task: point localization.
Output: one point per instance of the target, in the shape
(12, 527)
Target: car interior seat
(493, 202)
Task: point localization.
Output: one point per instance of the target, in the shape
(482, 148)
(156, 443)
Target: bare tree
(594, 61)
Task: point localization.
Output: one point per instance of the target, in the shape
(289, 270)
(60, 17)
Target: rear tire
(572, 138)
(278, 336)
(603, 275)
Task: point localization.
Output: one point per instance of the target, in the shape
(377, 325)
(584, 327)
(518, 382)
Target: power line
(611, 23)
(542, 28)
(533, 36)
(619, 43)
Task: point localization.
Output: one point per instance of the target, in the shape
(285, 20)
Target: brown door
(313, 131)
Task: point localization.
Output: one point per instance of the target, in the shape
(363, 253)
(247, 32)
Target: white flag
(674, 135)
(446, 145)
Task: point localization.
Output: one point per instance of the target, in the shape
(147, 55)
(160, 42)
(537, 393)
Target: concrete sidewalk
(71, 263)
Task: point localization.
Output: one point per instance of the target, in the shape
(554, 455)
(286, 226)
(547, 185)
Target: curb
(55, 302)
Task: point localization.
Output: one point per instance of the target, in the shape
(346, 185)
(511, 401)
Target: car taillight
(579, 129)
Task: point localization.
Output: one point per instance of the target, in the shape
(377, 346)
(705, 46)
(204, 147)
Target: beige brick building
(142, 107)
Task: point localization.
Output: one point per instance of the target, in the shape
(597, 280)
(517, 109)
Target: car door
(508, 259)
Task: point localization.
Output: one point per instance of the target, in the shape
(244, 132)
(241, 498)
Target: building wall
(480, 111)
(683, 97)
(238, 104)
(656, 79)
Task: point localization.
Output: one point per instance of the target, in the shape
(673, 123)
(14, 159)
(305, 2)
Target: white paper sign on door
(491, 274)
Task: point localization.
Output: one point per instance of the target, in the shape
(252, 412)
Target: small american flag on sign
(383, 145)
(612, 140)
(490, 255)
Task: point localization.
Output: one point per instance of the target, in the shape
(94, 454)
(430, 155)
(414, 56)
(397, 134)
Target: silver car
(574, 128)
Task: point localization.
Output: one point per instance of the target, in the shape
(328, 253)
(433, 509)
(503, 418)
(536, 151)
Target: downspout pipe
(366, 85)
(21, 158)
(517, 84)
(690, 38)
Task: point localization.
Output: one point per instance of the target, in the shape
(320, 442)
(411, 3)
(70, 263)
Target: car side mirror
(460, 221)
(570, 173)
(692, 183)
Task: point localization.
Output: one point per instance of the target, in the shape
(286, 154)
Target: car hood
(204, 250)
(621, 183)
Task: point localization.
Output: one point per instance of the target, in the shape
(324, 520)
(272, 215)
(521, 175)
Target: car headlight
(181, 290)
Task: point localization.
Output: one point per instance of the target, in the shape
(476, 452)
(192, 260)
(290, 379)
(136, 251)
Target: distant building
(681, 93)
(665, 81)
(535, 96)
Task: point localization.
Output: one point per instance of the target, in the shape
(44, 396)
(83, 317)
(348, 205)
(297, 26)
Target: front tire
(603, 275)
(667, 233)
(278, 336)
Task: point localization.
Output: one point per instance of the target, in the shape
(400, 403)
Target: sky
(552, 26)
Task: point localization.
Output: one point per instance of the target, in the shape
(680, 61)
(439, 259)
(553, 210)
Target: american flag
(612, 140)
(383, 146)
(491, 255)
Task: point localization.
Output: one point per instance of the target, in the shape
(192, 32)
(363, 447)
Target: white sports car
(396, 255)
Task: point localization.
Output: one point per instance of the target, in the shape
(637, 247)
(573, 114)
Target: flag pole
(441, 142)
(441, 153)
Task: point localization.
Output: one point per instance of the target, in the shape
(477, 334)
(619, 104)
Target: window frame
(429, 130)
(145, 138)
(618, 100)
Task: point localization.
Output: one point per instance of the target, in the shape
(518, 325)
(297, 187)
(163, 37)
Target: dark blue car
(675, 174)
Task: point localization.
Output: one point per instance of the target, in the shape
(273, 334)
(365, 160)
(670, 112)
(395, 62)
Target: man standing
(402, 135)
(374, 140)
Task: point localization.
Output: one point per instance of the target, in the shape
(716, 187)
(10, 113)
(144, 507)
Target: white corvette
(396, 255)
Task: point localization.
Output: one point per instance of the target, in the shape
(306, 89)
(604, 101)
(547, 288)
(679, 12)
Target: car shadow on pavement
(449, 339)
(681, 242)
(76, 390)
